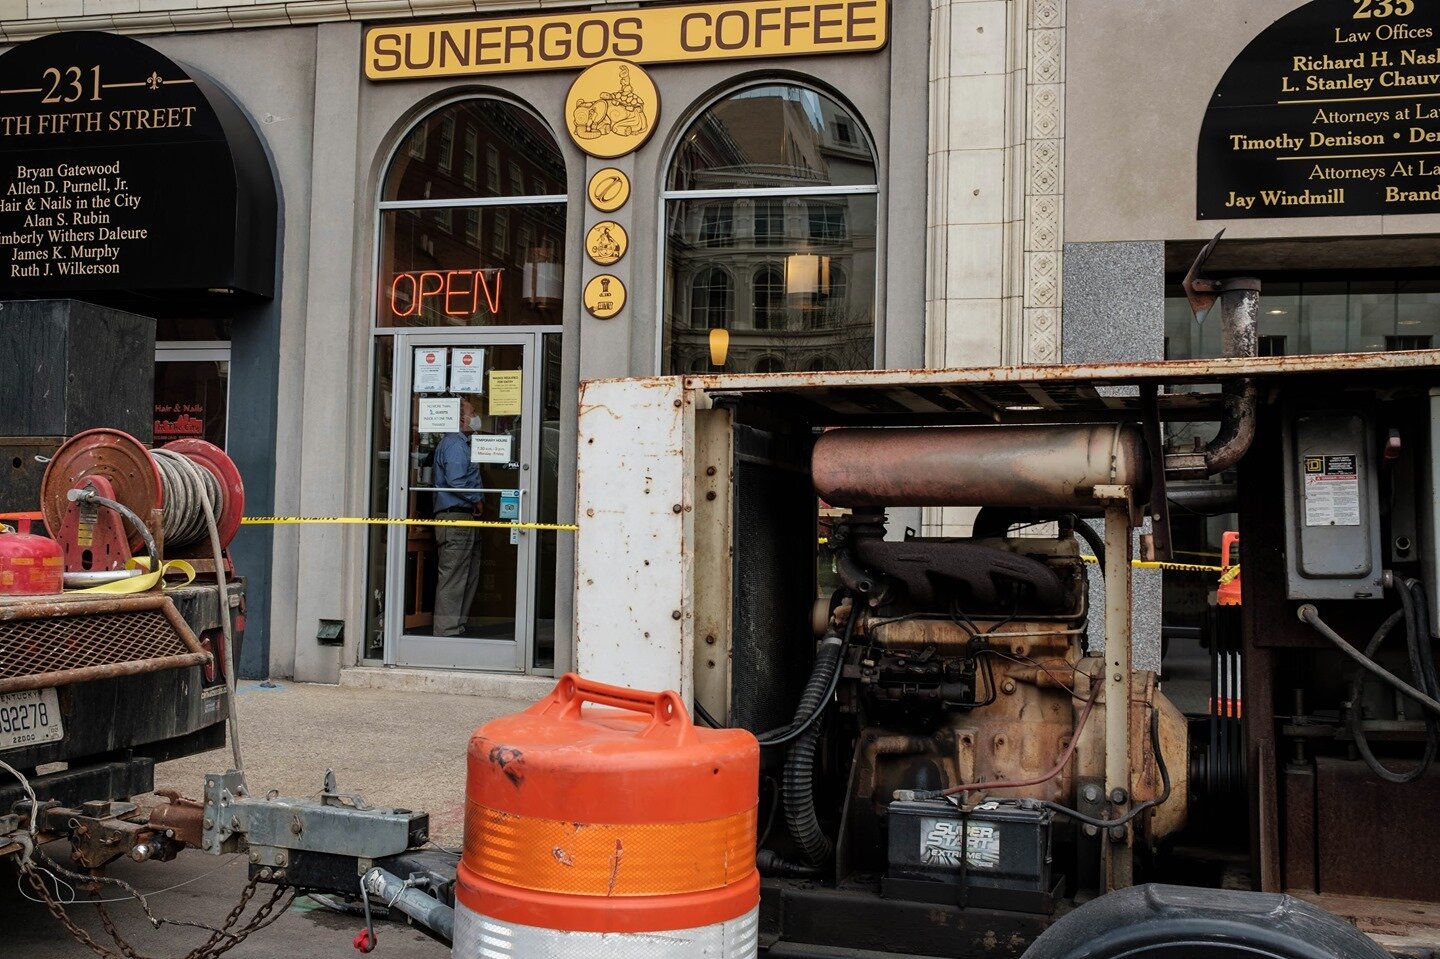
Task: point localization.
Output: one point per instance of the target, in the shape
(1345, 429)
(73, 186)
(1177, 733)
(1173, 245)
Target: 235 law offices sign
(122, 171)
(1333, 110)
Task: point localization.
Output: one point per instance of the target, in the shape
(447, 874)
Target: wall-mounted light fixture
(542, 284)
(807, 275)
(719, 346)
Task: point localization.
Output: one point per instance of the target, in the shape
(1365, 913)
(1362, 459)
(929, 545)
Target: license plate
(28, 717)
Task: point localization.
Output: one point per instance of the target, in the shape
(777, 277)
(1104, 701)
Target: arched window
(767, 291)
(462, 241)
(712, 299)
(796, 166)
(769, 364)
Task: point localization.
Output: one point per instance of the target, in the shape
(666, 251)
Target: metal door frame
(493, 655)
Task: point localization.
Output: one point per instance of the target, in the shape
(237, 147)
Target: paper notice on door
(504, 393)
(438, 415)
(489, 449)
(467, 371)
(1332, 491)
(429, 370)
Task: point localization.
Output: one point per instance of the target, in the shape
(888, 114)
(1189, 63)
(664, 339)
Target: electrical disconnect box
(1332, 506)
(1428, 518)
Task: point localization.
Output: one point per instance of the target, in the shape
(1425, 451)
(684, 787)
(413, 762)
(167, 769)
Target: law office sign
(651, 34)
(122, 170)
(1333, 110)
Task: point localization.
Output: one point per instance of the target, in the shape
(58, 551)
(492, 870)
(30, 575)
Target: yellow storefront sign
(708, 31)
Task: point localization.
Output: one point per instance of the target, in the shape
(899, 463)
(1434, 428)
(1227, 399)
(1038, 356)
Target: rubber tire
(1180, 922)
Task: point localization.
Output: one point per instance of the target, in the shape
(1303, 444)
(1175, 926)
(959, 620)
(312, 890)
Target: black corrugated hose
(798, 783)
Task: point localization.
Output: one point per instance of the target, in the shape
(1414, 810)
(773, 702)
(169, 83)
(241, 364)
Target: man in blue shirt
(458, 547)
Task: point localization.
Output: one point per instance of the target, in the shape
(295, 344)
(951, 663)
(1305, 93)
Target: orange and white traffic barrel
(620, 833)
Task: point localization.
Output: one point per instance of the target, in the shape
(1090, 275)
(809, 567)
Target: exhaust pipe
(1240, 315)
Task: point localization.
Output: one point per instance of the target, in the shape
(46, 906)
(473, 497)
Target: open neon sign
(454, 292)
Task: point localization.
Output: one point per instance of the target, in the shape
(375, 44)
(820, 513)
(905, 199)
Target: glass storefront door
(464, 423)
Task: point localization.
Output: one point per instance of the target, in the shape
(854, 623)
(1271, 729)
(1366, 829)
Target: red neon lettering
(427, 291)
(451, 292)
(458, 290)
(412, 306)
(492, 301)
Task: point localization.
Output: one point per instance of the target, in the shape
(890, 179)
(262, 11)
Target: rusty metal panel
(1049, 394)
(714, 534)
(1073, 380)
(46, 644)
(1376, 838)
(634, 616)
(1299, 858)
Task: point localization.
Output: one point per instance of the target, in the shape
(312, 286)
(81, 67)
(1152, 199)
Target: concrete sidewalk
(397, 748)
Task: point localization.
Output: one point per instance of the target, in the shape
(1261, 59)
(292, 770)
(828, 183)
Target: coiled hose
(187, 486)
(798, 782)
(1422, 668)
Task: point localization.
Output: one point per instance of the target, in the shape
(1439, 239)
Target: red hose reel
(118, 467)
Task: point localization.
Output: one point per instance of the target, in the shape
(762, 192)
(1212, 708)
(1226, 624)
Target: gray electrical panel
(1429, 516)
(1332, 506)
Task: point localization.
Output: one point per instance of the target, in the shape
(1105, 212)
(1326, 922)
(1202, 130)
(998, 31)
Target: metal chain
(212, 948)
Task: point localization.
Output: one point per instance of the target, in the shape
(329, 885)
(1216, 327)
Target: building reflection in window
(770, 234)
(1327, 316)
(462, 241)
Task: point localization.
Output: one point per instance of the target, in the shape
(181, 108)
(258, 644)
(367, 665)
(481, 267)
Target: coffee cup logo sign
(612, 108)
(604, 296)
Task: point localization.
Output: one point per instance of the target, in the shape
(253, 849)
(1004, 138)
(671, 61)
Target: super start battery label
(1332, 490)
(941, 841)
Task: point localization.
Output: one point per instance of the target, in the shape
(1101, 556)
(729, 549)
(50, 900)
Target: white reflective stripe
(480, 937)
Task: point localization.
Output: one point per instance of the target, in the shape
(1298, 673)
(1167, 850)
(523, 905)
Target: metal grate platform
(60, 641)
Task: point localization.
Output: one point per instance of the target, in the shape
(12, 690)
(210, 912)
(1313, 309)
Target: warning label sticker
(1332, 490)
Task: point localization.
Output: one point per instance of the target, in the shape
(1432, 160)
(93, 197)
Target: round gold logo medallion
(611, 109)
(606, 242)
(604, 296)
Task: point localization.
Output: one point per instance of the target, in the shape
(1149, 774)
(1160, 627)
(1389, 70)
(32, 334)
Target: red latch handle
(1228, 539)
(666, 710)
(363, 942)
(23, 521)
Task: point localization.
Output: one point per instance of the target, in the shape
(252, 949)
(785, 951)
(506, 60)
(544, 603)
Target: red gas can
(29, 565)
(620, 833)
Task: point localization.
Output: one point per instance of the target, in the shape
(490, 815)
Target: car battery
(996, 855)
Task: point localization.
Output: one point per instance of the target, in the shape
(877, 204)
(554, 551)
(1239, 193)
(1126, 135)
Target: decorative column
(996, 189)
(1044, 180)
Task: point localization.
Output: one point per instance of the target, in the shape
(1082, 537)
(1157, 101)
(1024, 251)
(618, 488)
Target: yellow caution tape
(147, 581)
(1170, 567)
(367, 521)
(1230, 574)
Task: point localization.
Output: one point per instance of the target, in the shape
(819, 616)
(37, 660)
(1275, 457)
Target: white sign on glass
(438, 415)
(467, 371)
(489, 449)
(429, 370)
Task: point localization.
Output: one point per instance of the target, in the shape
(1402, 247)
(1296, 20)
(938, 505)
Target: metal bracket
(1159, 502)
(274, 827)
(1202, 292)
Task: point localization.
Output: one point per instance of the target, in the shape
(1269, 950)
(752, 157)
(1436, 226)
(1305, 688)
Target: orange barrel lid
(641, 762)
(623, 819)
